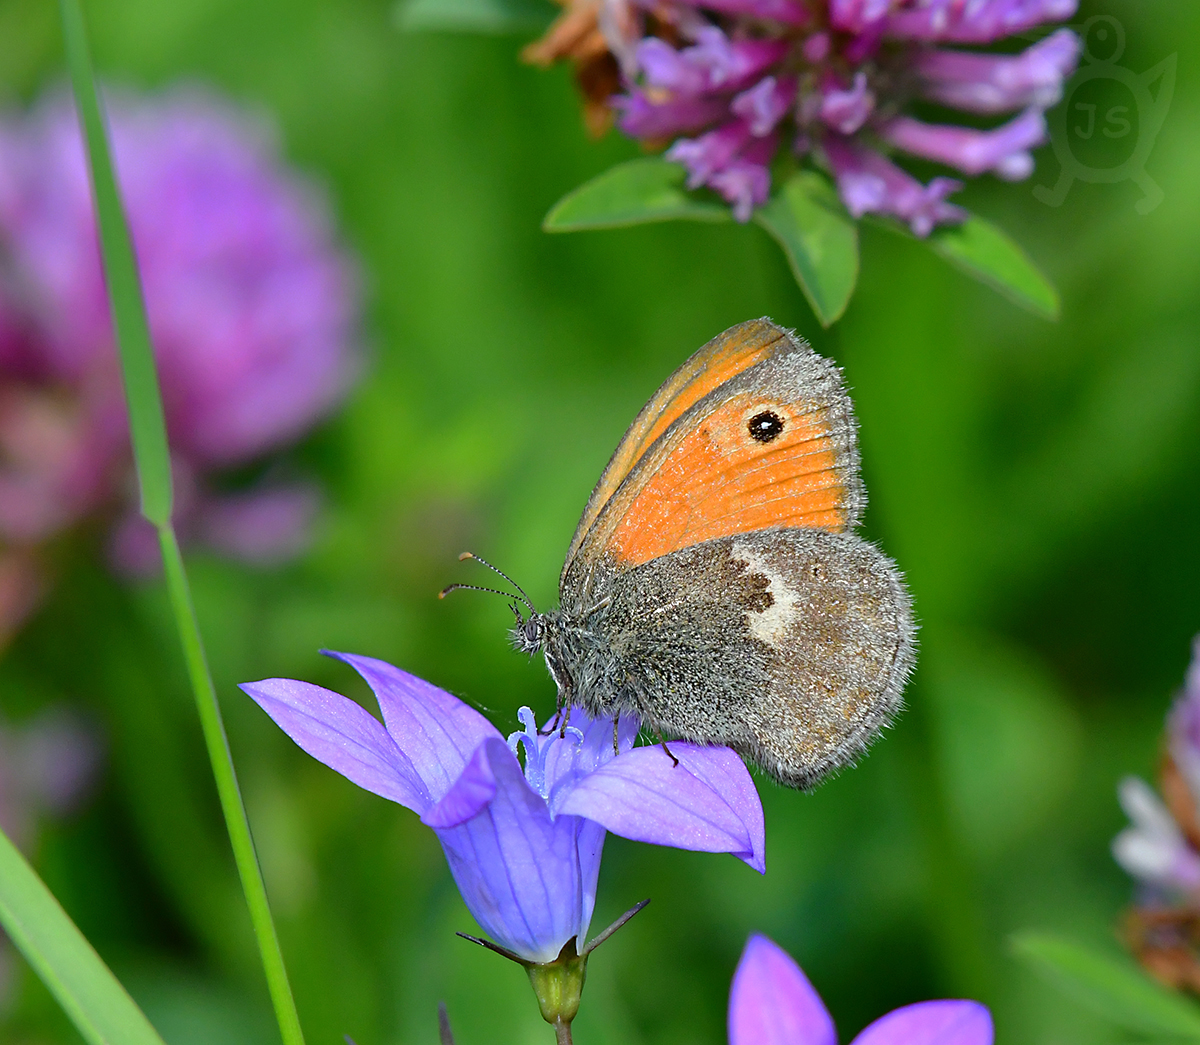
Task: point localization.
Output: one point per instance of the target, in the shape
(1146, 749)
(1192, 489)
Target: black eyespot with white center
(765, 427)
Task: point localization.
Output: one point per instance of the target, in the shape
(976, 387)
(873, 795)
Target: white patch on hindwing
(770, 624)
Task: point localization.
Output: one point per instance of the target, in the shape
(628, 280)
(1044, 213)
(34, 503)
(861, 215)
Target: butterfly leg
(670, 754)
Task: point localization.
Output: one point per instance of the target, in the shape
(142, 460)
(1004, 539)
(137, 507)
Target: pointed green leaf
(85, 987)
(497, 17)
(986, 252)
(146, 425)
(1114, 988)
(819, 238)
(632, 193)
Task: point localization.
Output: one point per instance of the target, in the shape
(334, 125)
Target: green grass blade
(144, 403)
(146, 424)
(227, 787)
(85, 987)
(1115, 989)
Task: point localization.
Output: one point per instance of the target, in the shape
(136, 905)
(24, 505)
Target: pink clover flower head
(523, 841)
(772, 1002)
(253, 309)
(827, 74)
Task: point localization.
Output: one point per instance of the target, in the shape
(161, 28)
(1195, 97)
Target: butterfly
(715, 587)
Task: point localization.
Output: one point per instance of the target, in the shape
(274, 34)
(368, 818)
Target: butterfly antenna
(473, 587)
(483, 562)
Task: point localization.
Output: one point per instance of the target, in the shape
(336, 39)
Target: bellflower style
(523, 841)
(729, 85)
(771, 1002)
(252, 305)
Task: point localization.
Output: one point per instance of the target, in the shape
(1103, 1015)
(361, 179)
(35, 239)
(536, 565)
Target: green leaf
(1114, 988)
(632, 193)
(85, 987)
(498, 17)
(986, 252)
(143, 401)
(819, 238)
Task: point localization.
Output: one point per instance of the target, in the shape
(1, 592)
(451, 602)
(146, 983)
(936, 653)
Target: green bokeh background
(1038, 482)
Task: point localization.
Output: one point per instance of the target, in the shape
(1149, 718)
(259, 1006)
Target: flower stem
(562, 1033)
(152, 457)
(227, 788)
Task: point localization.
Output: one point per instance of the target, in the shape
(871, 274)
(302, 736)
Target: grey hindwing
(791, 646)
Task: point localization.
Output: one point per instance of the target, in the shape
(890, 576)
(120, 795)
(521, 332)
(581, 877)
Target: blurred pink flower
(253, 307)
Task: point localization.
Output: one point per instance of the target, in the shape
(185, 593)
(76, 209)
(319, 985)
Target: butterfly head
(529, 633)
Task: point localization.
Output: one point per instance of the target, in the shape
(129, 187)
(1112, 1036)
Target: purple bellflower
(523, 841)
(252, 304)
(729, 85)
(771, 1002)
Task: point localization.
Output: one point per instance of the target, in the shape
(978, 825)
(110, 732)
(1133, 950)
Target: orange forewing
(723, 358)
(717, 481)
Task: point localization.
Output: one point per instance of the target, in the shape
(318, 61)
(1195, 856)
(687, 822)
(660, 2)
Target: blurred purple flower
(523, 844)
(1183, 726)
(1159, 848)
(771, 1002)
(48, 767)
(1153, 849)
(833, 78)
(252, 305)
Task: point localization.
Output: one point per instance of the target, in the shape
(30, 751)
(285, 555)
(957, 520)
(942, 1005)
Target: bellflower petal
(771, 1001)
(344, 736)
(931, 1023)
(706, 803)
(522, 874)
(438, 732)
(525, 864)
(994, 83)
